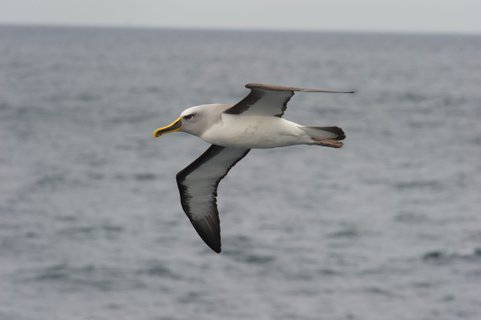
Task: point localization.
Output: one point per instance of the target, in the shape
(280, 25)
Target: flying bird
(254, 122)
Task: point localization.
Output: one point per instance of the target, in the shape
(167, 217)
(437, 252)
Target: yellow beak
(173, 127)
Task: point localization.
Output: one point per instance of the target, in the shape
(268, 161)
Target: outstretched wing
(269, 100)
(198, 190)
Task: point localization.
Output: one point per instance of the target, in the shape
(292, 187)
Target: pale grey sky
(447, 16)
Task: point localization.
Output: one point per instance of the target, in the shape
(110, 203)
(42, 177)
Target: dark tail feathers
(334, 130)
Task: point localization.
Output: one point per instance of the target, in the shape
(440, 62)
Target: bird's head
(192, 120)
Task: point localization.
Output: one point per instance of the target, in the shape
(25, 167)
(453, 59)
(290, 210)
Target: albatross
(232, 130)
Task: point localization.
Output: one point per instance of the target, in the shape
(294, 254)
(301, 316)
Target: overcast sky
(451, 16)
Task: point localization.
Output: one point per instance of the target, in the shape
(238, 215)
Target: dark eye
(188, 117)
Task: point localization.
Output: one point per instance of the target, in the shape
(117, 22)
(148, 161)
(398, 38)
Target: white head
(193, 120)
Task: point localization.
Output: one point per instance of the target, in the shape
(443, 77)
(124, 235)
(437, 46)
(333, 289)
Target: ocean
(91, 227)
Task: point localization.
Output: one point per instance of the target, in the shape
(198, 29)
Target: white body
(240, 131)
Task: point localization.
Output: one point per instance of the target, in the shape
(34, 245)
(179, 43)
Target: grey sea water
(91, 227)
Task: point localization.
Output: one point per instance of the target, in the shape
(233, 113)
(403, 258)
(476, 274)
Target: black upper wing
(269, 100)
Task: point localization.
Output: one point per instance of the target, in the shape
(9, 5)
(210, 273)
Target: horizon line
(234, 29)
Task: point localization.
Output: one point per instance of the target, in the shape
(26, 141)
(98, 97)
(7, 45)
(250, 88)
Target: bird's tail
(325, 136)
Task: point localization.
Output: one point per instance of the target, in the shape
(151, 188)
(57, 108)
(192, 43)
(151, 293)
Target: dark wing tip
(264, 86)
(208, 229)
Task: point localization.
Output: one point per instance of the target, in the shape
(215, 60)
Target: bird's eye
(188, 117)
